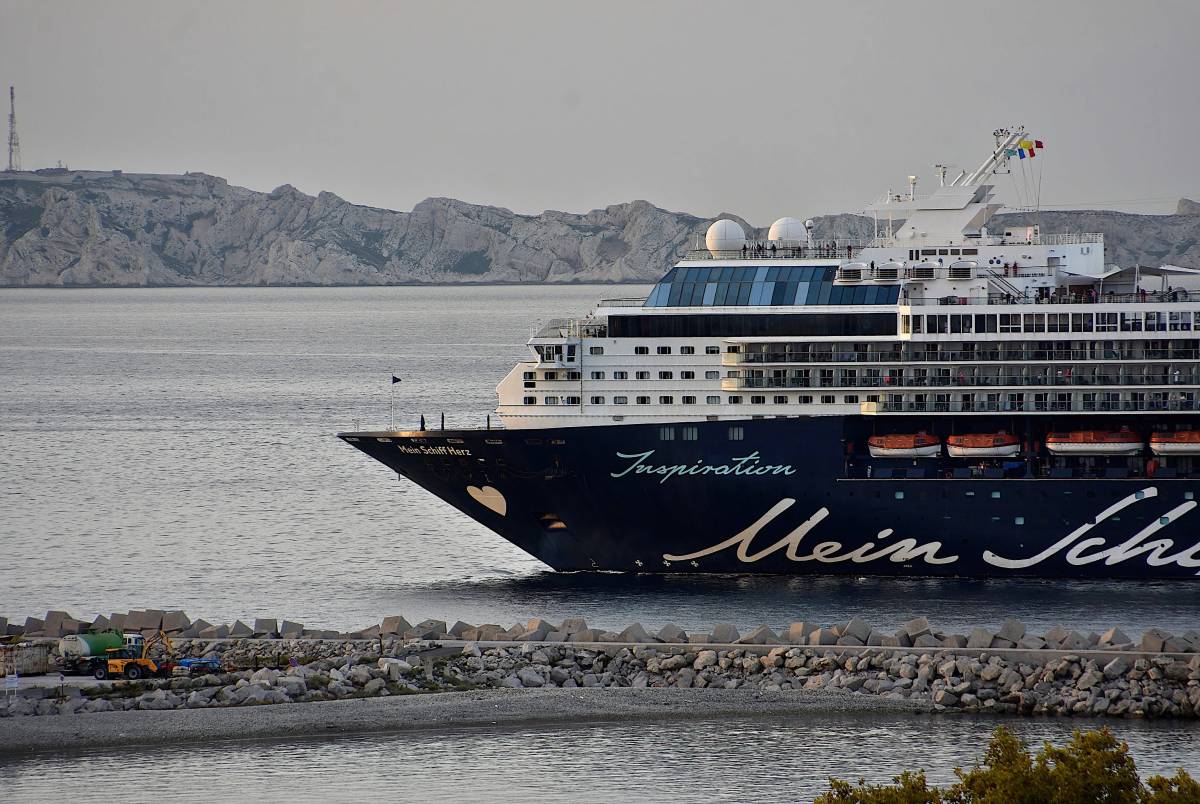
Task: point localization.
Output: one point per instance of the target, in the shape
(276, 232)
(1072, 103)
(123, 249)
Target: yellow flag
(1026, 143)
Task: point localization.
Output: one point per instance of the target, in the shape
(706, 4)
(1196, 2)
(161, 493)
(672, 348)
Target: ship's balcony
(1181, 405)
(1133, 351)
(1050, 378)
(1078, 297)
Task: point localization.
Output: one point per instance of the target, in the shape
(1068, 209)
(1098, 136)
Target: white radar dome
(725, 235)
(788, 229)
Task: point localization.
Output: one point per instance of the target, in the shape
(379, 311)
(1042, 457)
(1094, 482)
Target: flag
(1009, 152)
(1026, 144)
(1021, 151)
(1032, 153)
(1037, 144)
(395, 379)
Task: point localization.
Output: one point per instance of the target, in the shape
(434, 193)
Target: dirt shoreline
(503, 707)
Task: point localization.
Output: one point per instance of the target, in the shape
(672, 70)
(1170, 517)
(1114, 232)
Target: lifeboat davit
(916, 445)
(1181, 442)
(1094, 442)
(983, 445)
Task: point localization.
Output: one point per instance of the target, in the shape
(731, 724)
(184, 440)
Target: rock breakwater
(1008, 678)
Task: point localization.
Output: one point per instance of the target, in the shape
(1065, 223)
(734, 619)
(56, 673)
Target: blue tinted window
(727, 285)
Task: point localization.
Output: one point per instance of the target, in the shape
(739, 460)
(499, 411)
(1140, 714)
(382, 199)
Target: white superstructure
(937, 314)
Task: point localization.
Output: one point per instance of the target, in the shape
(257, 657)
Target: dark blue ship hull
(802, 496)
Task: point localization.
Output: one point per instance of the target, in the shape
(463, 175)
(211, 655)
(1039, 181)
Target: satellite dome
(788, 229)
(724, 235)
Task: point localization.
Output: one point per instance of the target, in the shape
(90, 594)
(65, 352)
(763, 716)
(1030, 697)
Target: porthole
(995, 495)
(899, 495)
(1018, 520)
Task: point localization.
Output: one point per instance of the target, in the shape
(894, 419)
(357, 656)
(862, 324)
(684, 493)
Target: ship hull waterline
(786, 498)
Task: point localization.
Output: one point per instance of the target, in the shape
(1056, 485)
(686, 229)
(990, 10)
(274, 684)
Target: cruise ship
(942, 399)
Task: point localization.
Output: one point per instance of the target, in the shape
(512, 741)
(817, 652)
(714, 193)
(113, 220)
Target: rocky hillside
(79, 228)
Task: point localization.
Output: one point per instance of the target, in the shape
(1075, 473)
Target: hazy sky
(764, 109)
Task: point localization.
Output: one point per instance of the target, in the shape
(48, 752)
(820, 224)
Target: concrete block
(586, 635)
(395, 625)
(240, 630)
(1001, 642)
(760, 636)
(823, 636)
(291, 630)
(954, 641)
(1175, 645)
(214, 632)
(1074, 641)
(1012, 630)
(1153, 640)
(536, 634)
(117, 621)
(635, 633)
(52, 624)
(266, 627)
(33, 626)
(371, 632)
(1031, 642)
(858, 628)
(437, 626)
(1114, 636)
(672, 633)
(917, 627)
(877, 638)
(101, 623)
(200, 625)
(699, 639)
(797, 633)
(849, 641)
(573, 625)
(491, 631)
(903, 640)
(890, 642)
(557, 636)
(980, 638)
(1056, 635)
(174, 621)
(458, 628)
(3, 624)
(927, 641)
(725, 633)
(152, 619)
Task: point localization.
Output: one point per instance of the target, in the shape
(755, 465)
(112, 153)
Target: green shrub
(1093, 767)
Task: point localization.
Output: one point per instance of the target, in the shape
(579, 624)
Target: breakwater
(1002, 671)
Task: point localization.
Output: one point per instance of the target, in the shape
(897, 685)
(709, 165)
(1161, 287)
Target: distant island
(71, 228)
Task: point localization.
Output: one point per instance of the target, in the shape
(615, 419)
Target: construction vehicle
(133, 661)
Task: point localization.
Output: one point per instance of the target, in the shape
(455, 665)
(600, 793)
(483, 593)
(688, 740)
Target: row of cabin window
(1050, 322)
(692, 433)
(665, 350)
(530, 376)
(714, 399)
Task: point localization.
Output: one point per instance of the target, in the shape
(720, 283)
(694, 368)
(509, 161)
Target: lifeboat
(983, 445)
(1094, 442)
(916, 445)
(1181, 442)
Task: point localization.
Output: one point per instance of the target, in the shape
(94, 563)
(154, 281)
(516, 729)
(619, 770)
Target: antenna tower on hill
(14, 142)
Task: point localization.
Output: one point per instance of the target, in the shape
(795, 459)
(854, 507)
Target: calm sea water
(697, 760)
(175, 449)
